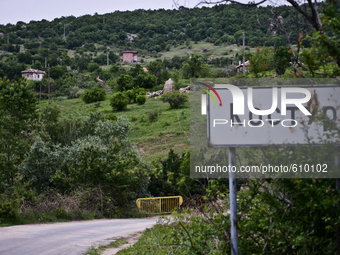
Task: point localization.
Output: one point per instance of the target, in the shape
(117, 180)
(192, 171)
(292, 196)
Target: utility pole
(40, 93)
(107, 58)
(233, 201)
(8, 38)
(49, 87)
(45, 62)
(244, 56)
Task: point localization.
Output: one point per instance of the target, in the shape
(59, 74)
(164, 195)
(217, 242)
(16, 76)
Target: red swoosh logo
(211, 88)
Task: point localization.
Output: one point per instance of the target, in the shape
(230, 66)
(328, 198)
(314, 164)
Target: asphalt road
(68, 237)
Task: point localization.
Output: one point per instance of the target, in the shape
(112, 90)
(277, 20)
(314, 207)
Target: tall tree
(18, 105)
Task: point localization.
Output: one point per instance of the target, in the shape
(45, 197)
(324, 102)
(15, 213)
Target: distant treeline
(155, 29)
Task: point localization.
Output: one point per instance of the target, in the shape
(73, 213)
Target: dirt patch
(141, 150)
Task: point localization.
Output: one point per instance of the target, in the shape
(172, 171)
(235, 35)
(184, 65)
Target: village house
(33, 74)
(130, 56)
(239, 68)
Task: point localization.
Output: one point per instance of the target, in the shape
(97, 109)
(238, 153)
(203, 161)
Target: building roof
(145, 69)
(245, 64)
(33, 71)
(98, 79)
(129, 51)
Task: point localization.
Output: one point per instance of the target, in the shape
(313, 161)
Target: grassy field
(212, 51)
(153, 138)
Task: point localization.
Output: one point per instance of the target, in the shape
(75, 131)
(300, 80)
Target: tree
(18, 106)
(260, 61)
(82, 64)
(124, 82)
(145, 80)
(119, 101)
(328, 40)
(195, 67)
(57, 71)
(157, 69)
(282, 59)
(37, 65)
(91, 67)
(40, 165)
(94, 94)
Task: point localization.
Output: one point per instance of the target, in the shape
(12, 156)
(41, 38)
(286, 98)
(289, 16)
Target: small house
(130, 56)
(239, 68)
(33, 74)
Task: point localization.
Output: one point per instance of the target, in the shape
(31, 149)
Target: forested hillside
(89, 38)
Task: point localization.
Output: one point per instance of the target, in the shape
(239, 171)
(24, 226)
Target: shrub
(124, 82)
(8, 211)
(141, 99)
(282, 59)
(111, 117)
(93, 95)
(119, 101)
(130, 94)
(133, 93)
(91, 67)
(175, 99)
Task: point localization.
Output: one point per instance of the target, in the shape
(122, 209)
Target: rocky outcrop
(154, 94)
(161, 92)
(169, 86)
(185, 89)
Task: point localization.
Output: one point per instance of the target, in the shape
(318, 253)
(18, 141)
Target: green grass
(169, 130)
(152, 241)
(213, 51)
(114, 244)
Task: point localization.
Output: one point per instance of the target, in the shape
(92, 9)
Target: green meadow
(155, 127)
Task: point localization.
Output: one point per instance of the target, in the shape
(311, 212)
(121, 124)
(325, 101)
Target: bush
(94, 94)
(141, 99)
(8, 211)
(282, 59)
(130, 94)
(91, 67)
(124, 82)
(133, 93)
(175, 99)
(111, 117)
(119, 101)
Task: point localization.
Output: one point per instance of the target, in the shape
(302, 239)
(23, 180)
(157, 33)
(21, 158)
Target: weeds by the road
(153, 241)
(98, 249)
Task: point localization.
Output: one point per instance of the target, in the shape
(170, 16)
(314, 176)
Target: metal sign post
(337, 186)
(233, 202)
(274, 116)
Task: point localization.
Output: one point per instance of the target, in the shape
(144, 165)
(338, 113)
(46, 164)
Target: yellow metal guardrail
(159, 205)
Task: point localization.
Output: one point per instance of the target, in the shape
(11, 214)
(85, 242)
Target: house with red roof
(33, 74)
(130, 56)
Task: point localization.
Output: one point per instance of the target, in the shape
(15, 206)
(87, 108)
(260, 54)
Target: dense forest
(150, 32)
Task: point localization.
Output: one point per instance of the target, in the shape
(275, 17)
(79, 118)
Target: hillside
(152, 137)
(155, 34)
